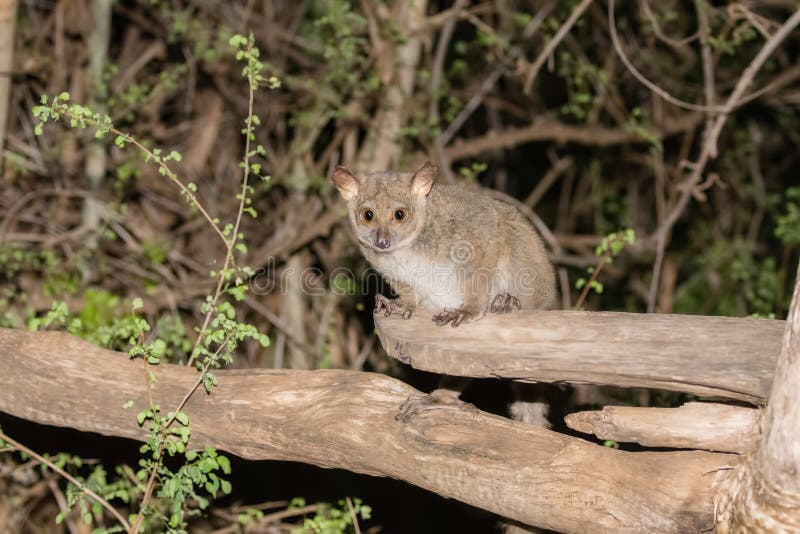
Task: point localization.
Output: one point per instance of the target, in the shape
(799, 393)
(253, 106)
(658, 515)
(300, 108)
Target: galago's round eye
(368, 215)
(399, 215)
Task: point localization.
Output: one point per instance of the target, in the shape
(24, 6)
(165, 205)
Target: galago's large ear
(422, 180)
(345, 181)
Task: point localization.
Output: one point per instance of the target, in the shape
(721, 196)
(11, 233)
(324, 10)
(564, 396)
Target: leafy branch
(608, 249)
(220, 333)
(226, 331)
(8, 444)
(83, 117)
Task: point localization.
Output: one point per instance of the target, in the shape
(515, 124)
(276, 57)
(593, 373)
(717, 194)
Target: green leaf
(225, 464)
(208, 464)
(238, 40)
(159, 347)
(127, 405)
(182, 418)
(212, 486)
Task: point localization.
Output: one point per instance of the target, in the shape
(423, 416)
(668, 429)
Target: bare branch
(554, 42)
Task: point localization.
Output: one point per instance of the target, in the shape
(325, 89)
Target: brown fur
(455, 250)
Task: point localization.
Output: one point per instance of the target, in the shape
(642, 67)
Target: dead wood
(8, 19)
(720, 356)
(562, 133)
(397, 66)
(346, 420)
(762, 493)
(695, 425)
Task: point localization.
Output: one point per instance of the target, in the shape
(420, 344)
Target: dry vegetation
(597, 116)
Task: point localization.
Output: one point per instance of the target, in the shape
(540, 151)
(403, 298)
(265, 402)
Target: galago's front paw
(391, 307)
(505, 303)
(454, 317)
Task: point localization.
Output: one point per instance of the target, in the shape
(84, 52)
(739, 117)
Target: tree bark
(399, 66)
(722, 356)
(8, 19)
(346, 419)
(762, 494)
(695, 425)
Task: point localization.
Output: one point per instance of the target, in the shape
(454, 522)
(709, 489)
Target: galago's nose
(382, 242)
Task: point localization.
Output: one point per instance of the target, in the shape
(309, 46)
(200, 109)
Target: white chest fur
(435, 285)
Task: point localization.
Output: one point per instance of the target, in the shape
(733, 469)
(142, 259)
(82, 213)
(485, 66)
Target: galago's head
(386, 209)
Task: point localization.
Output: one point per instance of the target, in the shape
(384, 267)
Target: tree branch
(550, 130)
(725, 356)
(344, 419)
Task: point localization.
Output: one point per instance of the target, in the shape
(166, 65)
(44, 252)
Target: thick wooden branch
(347, 420)
(718, 356)
(762, 494)
(695, 425)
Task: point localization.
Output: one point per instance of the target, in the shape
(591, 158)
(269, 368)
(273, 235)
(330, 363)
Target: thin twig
(151, 481)
(535, 220)
(358, 362)
(660, 183)
(101, 501)
(231, 242)
(436, 80)
(472, 105)
(438, 61)
(560, 166)
(708, 63)
(172, 176)
(677, 43)
(353, 515)
(27, 197)
(709, 88)
(489, 82)
(639, 76)
(759, 196)
(711, 139)
(664, 94)
(234, 235)
(652, 294)
(563, 279)
(279, 324)
(554, 42)
(61, 500)
(588, 285)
